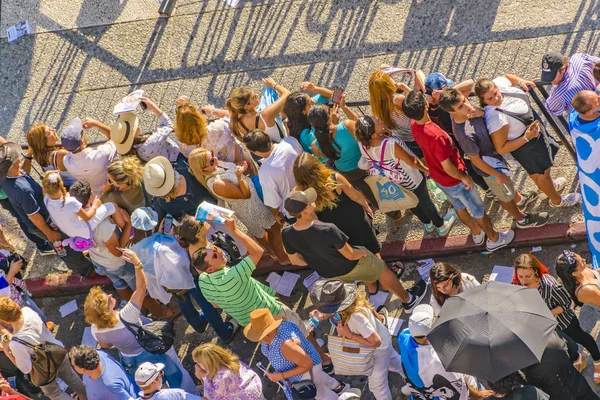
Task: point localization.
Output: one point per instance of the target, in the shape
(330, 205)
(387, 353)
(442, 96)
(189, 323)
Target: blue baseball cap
(144, 218)
(437, 80)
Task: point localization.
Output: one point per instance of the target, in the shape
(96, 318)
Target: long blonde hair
(361, 305)
(381, 98)
(36, 139)
(96, 311)
(213, 358)
(190, 127)
(309, 172)
(198, 160)
(53, 185)
(236, 105)
(128, 171)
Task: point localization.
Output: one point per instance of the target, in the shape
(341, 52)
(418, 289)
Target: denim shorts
(462, 198)
(121, 278)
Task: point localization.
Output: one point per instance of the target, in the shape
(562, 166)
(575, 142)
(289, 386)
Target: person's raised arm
(138, 295)
(211, 111)
(255, 251)
(454, 172)
(352, 116)
(28, 158)
(271, 112)
(89, 123)
(520, 82)
(465, 87)
(419, 80)
(310, 87)
(151, 106)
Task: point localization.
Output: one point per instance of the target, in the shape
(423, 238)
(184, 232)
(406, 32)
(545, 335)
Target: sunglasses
(571, 260)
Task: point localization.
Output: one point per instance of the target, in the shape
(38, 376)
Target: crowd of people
(303, 183)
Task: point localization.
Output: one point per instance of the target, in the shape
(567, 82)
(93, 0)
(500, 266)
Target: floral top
(219, 140)
(159, 143)
(228, 385)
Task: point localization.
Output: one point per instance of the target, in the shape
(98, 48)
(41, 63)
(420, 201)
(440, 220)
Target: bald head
(585, 102)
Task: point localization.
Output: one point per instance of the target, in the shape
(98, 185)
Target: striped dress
(555, 295)
(236, 292)
(579, 76)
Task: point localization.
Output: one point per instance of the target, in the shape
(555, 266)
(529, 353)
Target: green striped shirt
(237, 292)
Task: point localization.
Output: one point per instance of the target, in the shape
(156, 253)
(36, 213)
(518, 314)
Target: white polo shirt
(91, 164)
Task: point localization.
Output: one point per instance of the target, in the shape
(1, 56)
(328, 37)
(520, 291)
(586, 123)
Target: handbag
(350, 357)
(304, 390)
(45, 361)
(156, 337)
(389, 195)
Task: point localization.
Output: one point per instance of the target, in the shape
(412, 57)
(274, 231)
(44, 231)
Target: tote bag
(389, 195)
(350, 357)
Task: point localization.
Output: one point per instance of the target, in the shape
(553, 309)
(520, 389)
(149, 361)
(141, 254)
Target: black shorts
(537, 155)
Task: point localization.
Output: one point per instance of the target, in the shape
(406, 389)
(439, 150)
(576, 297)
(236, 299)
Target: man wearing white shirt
(84, 162)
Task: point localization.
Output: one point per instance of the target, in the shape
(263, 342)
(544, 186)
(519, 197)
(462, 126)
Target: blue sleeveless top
(307, 137)
(348, 149)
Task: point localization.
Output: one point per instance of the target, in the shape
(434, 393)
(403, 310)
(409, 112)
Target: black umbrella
(492, 330)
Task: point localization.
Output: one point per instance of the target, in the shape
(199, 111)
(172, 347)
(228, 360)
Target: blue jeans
(121, 278)
(173, 375)
(208, 314)
(31, 304)
(462, 198)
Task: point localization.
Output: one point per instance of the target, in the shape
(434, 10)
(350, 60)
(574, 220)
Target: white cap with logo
(147, 373)
(421, 320)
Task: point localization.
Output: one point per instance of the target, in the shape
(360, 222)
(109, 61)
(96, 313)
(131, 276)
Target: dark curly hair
(85, 357)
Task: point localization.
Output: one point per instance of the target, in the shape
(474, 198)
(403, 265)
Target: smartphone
(12, 381)
(335, 319)
(143, 106)
(168, 223)
(338, 91)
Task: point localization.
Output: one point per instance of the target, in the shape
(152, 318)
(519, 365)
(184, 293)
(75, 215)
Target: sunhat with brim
(122, 132)
(159, 176)
(261, 324)
(333, 295)
(144, 218)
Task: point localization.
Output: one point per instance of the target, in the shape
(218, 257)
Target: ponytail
(318, 117)
(236, 105)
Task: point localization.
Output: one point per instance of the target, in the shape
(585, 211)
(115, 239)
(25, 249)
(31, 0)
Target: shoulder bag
(156, 337)
(45, 361)
(389, 195)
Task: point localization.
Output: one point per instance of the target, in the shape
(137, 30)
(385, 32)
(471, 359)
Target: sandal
(596, 374)
(397, 268)
(581, 363)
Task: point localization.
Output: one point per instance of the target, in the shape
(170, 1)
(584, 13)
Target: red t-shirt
(437, 146)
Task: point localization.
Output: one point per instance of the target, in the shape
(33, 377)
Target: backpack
(45, 361)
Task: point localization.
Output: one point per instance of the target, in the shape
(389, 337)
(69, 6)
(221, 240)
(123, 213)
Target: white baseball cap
(147, 373)
(421, 320)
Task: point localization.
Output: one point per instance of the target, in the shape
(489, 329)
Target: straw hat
(261, 324)
(159, 176)
(122, 132)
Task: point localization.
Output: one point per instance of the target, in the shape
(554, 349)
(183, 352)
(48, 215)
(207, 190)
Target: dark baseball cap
(551, 63)
(9, 155)
(72, 136)
(297, 200)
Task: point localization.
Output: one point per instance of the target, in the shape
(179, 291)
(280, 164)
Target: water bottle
(312, 323)
(59, 248)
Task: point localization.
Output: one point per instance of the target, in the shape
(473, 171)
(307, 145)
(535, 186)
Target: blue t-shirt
(26, 197)
(348, 149)
(113, 384)
(171, 394)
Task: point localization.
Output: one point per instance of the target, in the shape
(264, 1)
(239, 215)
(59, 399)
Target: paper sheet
(62, 384)
(501, 273)
(394, 325)
(573, 246)
(320, 342)
(425, 267)
(129, 103)
(310, 280)
(536, 249)
(283, 284)
(68, 308)
(88, 339)
(379, 299)
(18, 30)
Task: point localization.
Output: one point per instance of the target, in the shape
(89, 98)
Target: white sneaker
(449, 220)
(351, 394)
(568, 200)
(559, 184)
(429, 228)
(504, 239)
(478, 239)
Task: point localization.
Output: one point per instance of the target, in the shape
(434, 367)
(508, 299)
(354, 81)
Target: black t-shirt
(319, 245)
(524, 393)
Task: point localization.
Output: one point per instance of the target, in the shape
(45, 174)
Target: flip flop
(596, 374)
(376, 290)
(397, 268)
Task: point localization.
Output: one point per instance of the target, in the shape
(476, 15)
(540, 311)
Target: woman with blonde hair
(244, 117)
(227, 182)
(338, 202)
(386, 105)
(126, 186)
(358, 321)
(42, 141)
(112, 328)
(224, 375)
(194, 131)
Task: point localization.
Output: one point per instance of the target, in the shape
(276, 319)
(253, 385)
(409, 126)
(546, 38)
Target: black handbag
(156, 337)
(305, 389)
